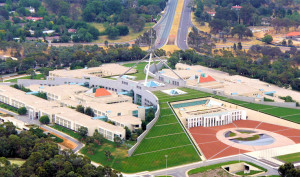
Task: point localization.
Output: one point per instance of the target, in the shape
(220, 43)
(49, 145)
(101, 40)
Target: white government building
(207, 113)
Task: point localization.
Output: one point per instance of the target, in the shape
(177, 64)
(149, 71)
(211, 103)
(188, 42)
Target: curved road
(180, 171)
(185, 23)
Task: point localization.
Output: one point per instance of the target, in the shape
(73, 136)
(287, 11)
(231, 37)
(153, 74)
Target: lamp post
(166, 163)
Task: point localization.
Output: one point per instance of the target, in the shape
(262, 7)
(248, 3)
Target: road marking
(162, 150)
(209, 142)
(282, 130)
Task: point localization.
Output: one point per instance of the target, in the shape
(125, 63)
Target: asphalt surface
(164, 25)
(181, 170)
(185, 23)
(27, 120)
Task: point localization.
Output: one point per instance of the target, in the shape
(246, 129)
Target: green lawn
(140, 75)
(295, 157)
(252, 138)
(165, 138)
(17, 161)
(252, 172)
(214, 166)
(289, 114)
(37, 77)
(66, 131)
(131, 36)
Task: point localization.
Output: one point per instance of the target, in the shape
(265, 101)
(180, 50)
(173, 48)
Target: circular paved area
(212, 147)
(279, 140)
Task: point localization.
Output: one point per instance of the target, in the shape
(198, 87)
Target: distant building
(5, 57)
(293, 35)
(48, 31)
(72, 30)
(31, 9)
(34, 18)
(211, 13)
(236, 7)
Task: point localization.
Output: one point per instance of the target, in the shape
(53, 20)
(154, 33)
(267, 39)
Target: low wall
(148, 128)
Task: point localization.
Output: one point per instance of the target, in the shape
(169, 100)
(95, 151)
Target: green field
(17, 161)
(140, 75)
(37, 77)
(131, 36)
(252, 172)
(289, 114)
(66, 131)
(165, 138)
(295, 157)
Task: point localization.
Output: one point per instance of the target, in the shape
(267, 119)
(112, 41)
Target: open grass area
(295, 157)
(289, 114)
(17, 161)
(66, 131)
(214, 166)
(140, 75)
(131, 36)
(36, 77)
(252, 172)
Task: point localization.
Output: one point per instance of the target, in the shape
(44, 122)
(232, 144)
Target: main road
(184, 25)
(164, 25)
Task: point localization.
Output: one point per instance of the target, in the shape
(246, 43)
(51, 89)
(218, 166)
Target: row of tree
(43, 157)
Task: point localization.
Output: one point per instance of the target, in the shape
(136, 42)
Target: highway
(185, 23)
(164, 25)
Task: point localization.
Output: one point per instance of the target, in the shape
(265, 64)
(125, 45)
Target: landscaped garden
(215, 166)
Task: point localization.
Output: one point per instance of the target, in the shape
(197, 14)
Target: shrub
(22, 111)
(44, 119)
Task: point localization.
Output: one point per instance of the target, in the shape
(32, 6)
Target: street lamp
(166, 163)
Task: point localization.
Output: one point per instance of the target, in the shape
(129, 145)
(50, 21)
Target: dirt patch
(67, 143)
(219, 172)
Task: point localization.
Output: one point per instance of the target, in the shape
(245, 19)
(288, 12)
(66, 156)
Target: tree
(22, 111)
(150, 115)
(44, 119)
(107, 154)
(106, 43)
(239, 47)
(31, 72)
(124, 30)
(88, 111)
(267, 39)
(234, 46)
(118, 141)
(285, 169)
(80, 108)
(128, 133)
(112, 32)
(283, 42)
(290, 43)
(83, 131)
(217, 25)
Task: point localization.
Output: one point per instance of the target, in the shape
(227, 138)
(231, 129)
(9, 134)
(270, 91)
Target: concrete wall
(142, 136)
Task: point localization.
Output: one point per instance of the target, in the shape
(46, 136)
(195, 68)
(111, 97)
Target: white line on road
(163, 149)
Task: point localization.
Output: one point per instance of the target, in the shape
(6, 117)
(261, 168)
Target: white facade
(215, 119)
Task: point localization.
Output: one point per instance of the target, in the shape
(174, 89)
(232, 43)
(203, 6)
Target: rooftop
(295, 33)
(126, 120)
